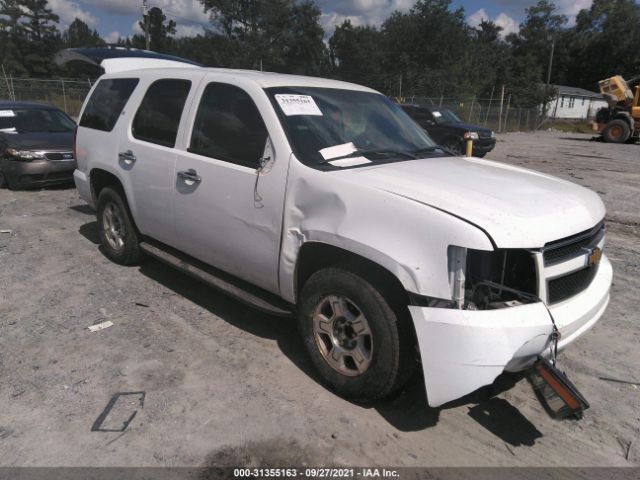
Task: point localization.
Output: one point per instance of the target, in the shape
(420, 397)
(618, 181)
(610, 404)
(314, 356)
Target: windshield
(35, 120)
(355, 123)
(443, 116)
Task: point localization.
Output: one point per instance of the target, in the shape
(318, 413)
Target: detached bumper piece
(559, 397)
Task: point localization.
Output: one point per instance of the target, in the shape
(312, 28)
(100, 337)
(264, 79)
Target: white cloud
(360, 12)
(508, 24)
(68, 11)
(178, 10)
(189, 30)
(570, 8)
(113, 37)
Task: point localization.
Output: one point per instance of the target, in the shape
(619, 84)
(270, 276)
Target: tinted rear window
(158, 117)
(106, 103)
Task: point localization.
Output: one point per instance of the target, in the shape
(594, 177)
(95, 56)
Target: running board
(248, 294)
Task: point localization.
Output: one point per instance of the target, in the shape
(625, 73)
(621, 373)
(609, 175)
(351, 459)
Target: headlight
(493, 134)
(471, 136)
(24, 154)
(482, 280)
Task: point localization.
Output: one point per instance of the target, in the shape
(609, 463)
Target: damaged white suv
(323, 198)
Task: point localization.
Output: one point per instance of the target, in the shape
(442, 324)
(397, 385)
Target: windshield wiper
(431, 149)
(376, 151)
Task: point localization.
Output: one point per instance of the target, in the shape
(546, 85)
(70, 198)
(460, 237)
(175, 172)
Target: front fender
(408, 239)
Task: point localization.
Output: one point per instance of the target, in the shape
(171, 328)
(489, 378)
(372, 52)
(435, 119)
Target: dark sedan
(448, 130)
(36, 145)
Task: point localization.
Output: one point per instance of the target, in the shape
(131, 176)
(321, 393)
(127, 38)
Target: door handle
(127, 157)
(190, 175)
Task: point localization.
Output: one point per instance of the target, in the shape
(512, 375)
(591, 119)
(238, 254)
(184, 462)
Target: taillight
(75, 150)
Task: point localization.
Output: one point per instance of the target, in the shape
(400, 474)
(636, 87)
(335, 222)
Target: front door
(230, 186)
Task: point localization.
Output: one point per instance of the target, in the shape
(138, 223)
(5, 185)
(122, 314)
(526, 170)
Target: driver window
(228, 126)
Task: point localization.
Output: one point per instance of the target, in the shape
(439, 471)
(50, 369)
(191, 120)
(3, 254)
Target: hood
(518, 208)
(39, 141)
(466, 127)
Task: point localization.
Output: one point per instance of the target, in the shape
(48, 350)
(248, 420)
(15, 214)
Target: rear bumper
(463, 350)
(37, 172)
(84, 187)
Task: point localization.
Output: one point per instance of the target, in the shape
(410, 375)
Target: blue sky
(118, 18)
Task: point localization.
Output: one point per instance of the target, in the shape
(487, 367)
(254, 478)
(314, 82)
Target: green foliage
(159, 31)
(429, 50)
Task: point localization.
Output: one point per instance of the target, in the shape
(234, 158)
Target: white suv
(324, 199)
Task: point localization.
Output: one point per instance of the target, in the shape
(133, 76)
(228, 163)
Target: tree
(605, 42)
(280, 35)
(160, 30)
(12, 36)
(80, 35)
(541, 27)
(356, 55)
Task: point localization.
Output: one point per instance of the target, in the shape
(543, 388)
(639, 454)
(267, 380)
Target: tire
(480, 155)
(616, 131)
(6, 183)
(118, 234)
(377, 362)
(454, 145)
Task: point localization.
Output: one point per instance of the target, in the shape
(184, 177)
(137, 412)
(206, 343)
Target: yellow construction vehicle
(620, 121)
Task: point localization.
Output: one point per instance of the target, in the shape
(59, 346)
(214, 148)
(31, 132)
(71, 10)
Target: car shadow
(90, 232)
(282, 330)
(83, 208)
(407, 410)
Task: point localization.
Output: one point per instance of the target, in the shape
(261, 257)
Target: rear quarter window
(107, 102)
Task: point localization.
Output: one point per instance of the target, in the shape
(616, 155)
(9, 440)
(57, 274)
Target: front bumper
(38, 172)
(463, 350)
(483, 145)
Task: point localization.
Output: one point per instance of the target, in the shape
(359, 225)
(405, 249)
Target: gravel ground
(225, 384)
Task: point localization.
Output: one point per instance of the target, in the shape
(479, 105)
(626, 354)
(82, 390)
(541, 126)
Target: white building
(573, 103)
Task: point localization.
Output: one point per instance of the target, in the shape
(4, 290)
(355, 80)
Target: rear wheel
(118, 234)
(616, 131)
(359, 345)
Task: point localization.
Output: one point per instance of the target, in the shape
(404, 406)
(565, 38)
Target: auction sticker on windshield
(7, 113)
(298, 105)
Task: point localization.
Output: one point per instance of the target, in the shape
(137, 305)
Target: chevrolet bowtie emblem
(594, 256)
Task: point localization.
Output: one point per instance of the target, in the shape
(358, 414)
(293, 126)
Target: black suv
(448, 130)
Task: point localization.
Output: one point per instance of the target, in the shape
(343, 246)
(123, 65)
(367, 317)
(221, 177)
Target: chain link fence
(69, 94)
(66, 94)
(490, 113)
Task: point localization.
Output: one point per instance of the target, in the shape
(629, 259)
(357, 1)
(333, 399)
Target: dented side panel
(411, 242)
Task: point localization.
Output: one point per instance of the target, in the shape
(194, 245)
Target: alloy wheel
(343, 335)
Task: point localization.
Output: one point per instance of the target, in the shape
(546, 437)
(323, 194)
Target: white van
(324, 199)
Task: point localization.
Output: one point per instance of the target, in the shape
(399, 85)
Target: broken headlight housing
(485, 280)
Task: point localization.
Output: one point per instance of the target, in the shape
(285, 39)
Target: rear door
(146, 151)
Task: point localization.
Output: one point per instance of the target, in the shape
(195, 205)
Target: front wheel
(616, 131)
(359, 345)
(117, 231)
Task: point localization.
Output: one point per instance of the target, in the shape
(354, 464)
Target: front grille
(565, 287)
(573, 246)
(484, 133)
(59, 156)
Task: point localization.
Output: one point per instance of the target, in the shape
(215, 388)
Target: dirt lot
(226, 384)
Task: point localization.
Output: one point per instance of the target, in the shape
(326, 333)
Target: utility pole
(553, 47)
(145, 16)
(500, 114)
